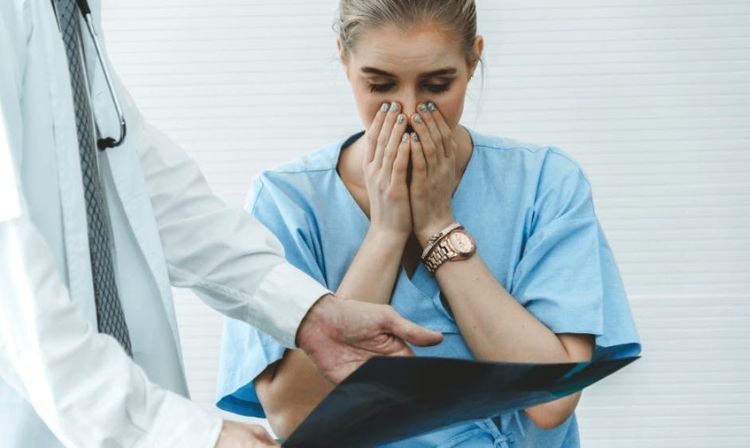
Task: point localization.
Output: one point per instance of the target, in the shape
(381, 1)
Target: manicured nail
(415, 137)
(394, 107)
(418, 119)
(422, 108)
(400, 119)
(384, 107)
(405, 137)
(431, 107)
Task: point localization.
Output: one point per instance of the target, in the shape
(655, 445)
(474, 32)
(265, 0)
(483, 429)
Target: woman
(527, 276)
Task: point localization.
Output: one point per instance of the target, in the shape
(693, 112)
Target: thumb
(413, 333)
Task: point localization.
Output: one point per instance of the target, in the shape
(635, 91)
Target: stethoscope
(107, 142)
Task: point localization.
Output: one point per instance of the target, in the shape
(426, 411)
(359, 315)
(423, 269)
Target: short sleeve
(567, 276)
(247, 351)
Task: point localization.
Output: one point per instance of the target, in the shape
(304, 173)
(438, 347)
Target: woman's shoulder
(322, 159)
(510, 147)
(299, 180)
(531, 159)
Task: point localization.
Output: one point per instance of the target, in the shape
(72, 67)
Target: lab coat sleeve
(230, 259)
(80, 382)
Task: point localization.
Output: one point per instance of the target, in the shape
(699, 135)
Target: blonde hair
(358, 15)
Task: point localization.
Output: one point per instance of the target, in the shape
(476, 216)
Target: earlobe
(478, 46)
(341, 51)
(477, 51)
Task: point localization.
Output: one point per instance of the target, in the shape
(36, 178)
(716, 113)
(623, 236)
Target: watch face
(462, 243)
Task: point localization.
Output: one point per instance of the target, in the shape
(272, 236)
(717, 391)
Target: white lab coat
(57, 374)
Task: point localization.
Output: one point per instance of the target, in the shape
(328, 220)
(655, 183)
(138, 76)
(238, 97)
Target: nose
(409, 101)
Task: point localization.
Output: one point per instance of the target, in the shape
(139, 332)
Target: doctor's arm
(81, 383)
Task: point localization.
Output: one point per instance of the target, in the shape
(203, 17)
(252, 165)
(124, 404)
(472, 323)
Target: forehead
(404, 50)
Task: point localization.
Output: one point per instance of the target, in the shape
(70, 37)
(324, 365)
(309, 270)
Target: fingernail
(405, 138)
(400, 119)
(384, 107)
(431, 106)
(394, 107)
(422, 108)
(415, 137)
(418, 119)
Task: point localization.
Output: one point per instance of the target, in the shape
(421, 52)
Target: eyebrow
(440, 72)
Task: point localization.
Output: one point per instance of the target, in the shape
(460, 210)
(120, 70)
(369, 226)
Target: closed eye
(382, 87)
(437, 87)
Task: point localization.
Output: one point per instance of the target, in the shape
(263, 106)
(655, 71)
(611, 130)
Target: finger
(401, 164)
(385, 132)
(418, 162)
(425, 139)
(374, 131)
(411, 332)
(445, 132)
(397, 135)
(428, 111)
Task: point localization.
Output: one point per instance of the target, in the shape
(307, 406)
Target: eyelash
(433, 88)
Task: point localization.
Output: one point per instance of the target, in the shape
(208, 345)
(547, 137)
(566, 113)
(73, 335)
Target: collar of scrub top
(106, 142)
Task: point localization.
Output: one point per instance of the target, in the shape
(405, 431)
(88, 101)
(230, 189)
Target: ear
(343, 59)
(476, 53)
(342, 52)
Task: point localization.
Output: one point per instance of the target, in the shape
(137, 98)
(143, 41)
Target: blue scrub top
(530, 210)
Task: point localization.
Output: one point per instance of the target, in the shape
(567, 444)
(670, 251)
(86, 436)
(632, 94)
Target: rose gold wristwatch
(454, 245)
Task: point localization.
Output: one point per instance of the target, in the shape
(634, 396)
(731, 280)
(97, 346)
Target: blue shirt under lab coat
(530, 210)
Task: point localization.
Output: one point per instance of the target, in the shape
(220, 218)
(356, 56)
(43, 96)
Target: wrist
(388, 239)
(314, 321)
(423, 235)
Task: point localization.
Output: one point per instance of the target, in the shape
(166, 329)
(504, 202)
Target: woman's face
(409, 66)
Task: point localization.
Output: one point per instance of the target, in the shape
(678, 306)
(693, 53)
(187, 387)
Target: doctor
(91, 240)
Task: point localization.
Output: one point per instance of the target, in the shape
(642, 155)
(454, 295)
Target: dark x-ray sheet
(389, 399)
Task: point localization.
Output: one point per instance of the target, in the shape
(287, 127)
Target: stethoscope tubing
(108, 142)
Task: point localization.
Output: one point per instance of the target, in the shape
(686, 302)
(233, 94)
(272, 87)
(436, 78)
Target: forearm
(497, 328)
(372, 274)
(291, 389)
(234, 262)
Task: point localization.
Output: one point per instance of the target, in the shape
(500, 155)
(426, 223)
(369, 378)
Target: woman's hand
(433, 156)
(385, 165)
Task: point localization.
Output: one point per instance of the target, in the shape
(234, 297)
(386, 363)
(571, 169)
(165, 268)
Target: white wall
(652, 97)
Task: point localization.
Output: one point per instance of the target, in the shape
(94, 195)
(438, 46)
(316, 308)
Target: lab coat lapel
(127, 174)
(69, 169)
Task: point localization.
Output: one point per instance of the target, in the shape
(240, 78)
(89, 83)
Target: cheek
(452, 106)
(367, 104)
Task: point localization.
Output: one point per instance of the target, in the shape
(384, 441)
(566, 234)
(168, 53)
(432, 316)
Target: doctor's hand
(239, 435)
(384, 166)
(433, 181)
(339, 335)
